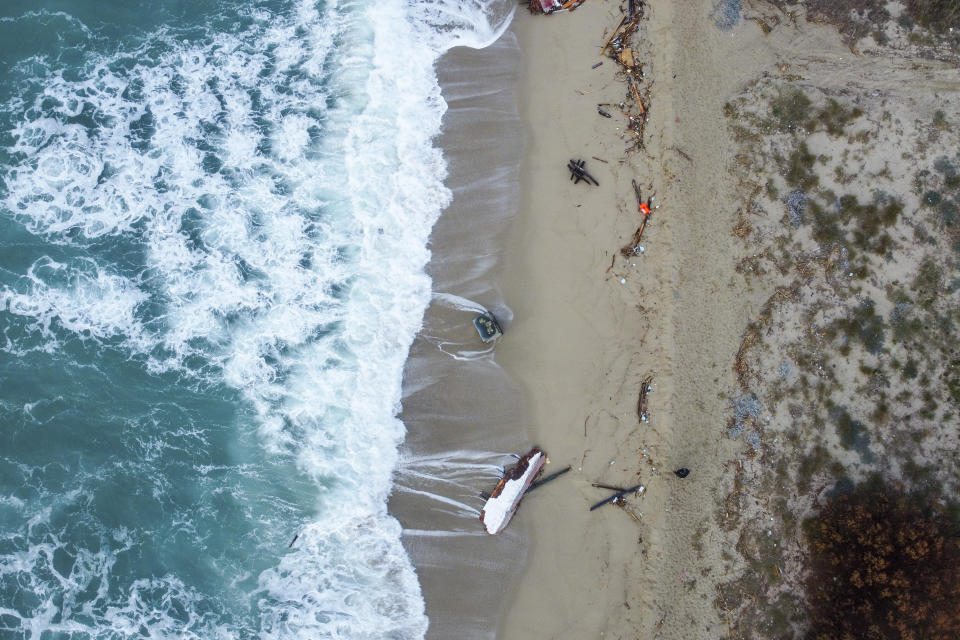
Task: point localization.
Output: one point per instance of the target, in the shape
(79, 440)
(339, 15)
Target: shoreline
(463, 413)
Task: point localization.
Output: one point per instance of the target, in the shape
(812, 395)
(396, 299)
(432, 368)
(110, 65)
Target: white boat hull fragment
(505, 499)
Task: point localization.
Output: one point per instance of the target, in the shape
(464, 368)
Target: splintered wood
(642, 400)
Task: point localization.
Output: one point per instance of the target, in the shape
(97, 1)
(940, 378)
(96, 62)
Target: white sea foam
(282, 193)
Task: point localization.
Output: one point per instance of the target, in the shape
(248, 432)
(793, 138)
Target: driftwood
(615, 496)
(642, 400)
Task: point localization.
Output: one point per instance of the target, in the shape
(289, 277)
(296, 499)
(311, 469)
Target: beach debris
(487, 327)
(612, 35)
(600, 485)
(634, 248)
(578, 172)
(549, 478)
(645, 388)
(600, 159)
(506, 496)
(682, 472)
(553, 6)
(597, 65)
(622, 503)
(603, 113)
(620, 49)
(618, 494)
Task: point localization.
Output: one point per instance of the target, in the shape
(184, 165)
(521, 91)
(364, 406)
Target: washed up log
(552, 476)
(615, 496)
(506, 496)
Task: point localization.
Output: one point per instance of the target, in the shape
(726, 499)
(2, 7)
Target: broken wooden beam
(606, 486)
(552, 476)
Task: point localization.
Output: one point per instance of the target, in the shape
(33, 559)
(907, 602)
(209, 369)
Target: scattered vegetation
(790, 109)
(849, 363)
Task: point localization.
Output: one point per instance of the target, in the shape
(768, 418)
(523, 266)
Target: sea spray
(215, 236)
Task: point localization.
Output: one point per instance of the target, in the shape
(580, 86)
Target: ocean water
(214, 223)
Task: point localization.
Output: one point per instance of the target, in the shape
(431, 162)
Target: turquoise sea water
(213, 233)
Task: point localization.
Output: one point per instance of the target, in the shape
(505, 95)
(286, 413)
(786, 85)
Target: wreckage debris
(553, 6)
(506, 496)
(487, 327)
(578, 172)
(617, 495)
(644, 209)
(599, 485)
(682, 472)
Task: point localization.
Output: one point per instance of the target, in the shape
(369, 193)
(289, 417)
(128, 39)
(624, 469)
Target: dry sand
(584, 340)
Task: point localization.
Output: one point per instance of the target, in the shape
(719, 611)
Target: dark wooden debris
(578, 172)
(599, 485)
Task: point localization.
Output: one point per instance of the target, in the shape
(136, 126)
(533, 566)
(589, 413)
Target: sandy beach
(721, 315)
(587, 336)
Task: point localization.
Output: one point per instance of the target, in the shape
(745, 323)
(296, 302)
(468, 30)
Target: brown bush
(884, 564)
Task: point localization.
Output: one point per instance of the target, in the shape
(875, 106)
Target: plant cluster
(884, 564)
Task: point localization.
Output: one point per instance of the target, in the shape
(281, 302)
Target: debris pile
(619, 47)
(553, 6)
